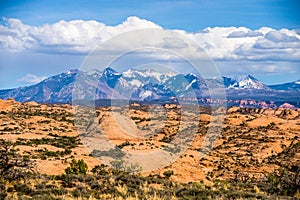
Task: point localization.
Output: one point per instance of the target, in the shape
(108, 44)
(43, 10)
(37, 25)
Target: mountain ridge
(139, 85)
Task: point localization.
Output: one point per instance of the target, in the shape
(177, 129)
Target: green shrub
(285, 181)
(68, 180)
(168, 174)
(3, 192)
(77, 167)
(22, 188)
(100, 170)
(116, 153)
(13, 166)
(124, 144)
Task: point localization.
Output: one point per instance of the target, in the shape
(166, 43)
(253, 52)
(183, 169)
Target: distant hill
(287, 86)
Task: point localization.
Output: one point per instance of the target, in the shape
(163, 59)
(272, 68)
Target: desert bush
(118, 165)
(116, 153)
(68, 180)
(284, 181)
(124, 144)
(3, 192)
(44, 153)
(23, 189)
(168, 174)
(13, 166)
(192, 193)
(134, 169)
(81, 191)
(77, 167)
(58, 141)
(100, 170)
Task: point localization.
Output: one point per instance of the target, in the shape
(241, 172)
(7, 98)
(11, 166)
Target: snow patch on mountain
(145, 94)
(191, 83)
(247, 82)
(136, 83)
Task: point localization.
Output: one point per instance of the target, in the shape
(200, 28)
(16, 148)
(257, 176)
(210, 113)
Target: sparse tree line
(124, 181)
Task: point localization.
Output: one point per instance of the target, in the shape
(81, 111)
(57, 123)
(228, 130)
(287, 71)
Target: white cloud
(31, 79)
(75, 36)
(242, 44)
(276, 36)
(173, 43)
(221, 43)
(238, 34)
(260, 69)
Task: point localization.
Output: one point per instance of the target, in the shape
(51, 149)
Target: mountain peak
(72, 71)
(245, 77)
(109, 72)
(252, 77)
(247, 82)
(191, 75)
(110, 76)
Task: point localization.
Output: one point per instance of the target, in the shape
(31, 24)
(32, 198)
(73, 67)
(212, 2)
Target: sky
(43, 38)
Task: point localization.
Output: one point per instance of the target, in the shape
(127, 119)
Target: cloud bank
(31, 79)
(221, 43)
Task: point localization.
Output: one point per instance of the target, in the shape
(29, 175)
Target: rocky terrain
(253, 145)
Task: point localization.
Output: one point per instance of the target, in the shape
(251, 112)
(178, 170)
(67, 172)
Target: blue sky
(45, 57)
(187, 15)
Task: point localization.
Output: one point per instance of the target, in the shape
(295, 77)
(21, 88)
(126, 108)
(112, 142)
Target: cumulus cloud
(220, 43)
(232, 43)
(31, 79)
(238, 34)
(77, 36)
(276, 36)
(173, 43)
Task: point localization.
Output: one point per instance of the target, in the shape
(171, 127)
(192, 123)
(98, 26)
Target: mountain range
(146, 85)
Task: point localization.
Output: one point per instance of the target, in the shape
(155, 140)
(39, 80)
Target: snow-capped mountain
(188, 85)
(141, 84)
(110, 77)
(141, 77)
(136, 85)
(238, 82)
(245, 82)
(53, 89)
